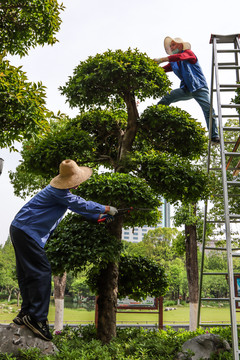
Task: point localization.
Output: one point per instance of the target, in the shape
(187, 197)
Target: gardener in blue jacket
(184, 63)
(30, 230)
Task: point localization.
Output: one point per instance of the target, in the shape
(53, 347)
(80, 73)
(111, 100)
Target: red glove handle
(101, 220)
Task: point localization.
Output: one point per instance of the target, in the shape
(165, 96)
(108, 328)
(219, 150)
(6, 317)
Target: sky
(94, 26)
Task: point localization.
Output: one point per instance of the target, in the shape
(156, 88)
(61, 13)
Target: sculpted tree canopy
(141, 157)
(25, 24)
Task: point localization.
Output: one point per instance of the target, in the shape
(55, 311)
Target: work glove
(157, 60)
(113, 211)
(106, 218)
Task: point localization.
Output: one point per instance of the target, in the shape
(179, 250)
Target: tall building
(136, 234)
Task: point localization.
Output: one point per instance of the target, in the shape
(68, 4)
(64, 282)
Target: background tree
(23, 112)
(145, 156)
(160, 244)
(8, 276)
(24, 24)
(186, 215)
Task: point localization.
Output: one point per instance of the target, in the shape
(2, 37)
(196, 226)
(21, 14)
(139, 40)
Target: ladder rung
(230, 142)
(232, 153)
(234, 128)
(236, 106)
(215, 248)
(215, 273)
(234, 86)
(228, 51)
(234, 216)
(225, 90)
(226, 63)
(234, 183)
(225, 67)
(229, 116)
(219, 168)
(215, 299)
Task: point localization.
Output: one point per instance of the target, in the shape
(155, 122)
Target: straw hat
(70, 175)
(168, 40)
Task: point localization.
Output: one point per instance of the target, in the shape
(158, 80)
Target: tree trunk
(9, 294)
(192, 273)
(108, 286)
(59, 291)
(18, 298)
(107, 296)
(129, 136)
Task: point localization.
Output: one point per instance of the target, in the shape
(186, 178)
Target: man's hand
(112, 211)
(160, 60)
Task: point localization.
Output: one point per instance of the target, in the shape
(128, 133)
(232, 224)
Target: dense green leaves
(171, 176)
(25, 24)
(139, 277)
(123, 191)
(172, 130)
(23, 112)
(109, 79)
(77, 243)
(90, 139)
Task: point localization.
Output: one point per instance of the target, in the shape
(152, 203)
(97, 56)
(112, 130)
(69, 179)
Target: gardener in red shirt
(184, 63)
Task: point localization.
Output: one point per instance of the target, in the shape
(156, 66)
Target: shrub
(130, 344)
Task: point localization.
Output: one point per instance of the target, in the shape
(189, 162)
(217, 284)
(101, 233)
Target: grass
(81, 316)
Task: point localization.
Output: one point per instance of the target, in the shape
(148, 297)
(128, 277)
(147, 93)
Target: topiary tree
(145, 156)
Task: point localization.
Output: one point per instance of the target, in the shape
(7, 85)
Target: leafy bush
(130, 344)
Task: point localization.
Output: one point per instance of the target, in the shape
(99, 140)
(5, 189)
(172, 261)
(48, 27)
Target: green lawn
(82, 316)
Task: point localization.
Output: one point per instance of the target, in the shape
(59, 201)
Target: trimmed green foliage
(167, 128)
(124, 190)
(109, 78)
(77, 243)
(171, 176)
(26, 24)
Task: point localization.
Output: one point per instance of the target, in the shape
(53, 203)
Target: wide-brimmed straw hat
(70, 175)
(168, 40)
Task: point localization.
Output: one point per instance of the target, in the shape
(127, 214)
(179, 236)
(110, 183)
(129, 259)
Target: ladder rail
(206, 202)
(228, 218)
(226, 210)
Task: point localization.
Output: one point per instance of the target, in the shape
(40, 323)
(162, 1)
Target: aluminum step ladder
(223, 47)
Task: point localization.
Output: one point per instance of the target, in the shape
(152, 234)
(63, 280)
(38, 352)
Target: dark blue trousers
(34, 274)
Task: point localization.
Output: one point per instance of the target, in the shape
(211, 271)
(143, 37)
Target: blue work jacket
(40, 216)
(191, 75)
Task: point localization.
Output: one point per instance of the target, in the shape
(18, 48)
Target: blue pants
(202, 98)
(34, 274)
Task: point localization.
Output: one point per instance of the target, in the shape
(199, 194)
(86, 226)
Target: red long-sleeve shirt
(185, 55)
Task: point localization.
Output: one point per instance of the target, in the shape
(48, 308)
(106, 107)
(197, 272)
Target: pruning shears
(124, 211)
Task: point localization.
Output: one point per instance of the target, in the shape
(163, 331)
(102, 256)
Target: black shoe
(18, 319)
(215, 140)
(39, 328)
